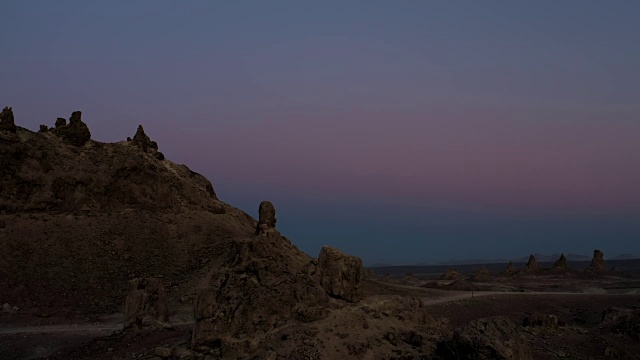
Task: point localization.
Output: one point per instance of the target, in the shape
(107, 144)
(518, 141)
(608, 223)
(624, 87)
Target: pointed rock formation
(597, 263)
(340, 274)
(7, 121)
(266, 218)
(142, 141)
(532, 264)
(76, 133)
(146, 304)
(561, 263)
(510, 270)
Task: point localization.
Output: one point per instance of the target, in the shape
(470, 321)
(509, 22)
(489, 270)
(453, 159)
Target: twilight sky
(402, 132)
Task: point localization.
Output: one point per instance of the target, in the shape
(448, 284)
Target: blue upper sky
(403, 132)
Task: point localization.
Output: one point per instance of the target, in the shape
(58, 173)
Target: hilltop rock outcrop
(597, 263)
(124, 213)
(340, 274)
(146, 304)
(532, 264)
(144, 143)
(266, 218)
(7, 121)
(561, 263)
(75, 133)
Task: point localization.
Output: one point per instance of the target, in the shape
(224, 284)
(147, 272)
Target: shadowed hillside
(79, 218)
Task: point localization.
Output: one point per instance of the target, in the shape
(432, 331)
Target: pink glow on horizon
(491, 158)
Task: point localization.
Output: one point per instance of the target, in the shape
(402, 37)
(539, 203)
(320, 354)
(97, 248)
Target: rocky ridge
(81, 218)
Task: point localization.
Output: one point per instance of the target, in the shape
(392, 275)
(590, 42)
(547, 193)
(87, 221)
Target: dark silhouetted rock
(60, 122)
(43, 128)
(7, 121)
(496, 338)
(266, 218)
(144, 143)
(597, 263)
(561, 263)
(146, 304)
(532, 264)
(141, 139)
(75, 133)
(340, 274)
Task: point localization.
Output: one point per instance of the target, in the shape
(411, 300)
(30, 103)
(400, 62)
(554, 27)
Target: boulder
(597, 263)
(496, 338)
(146, 304)
(60, 122)
(561, 263)
(75, 133)
(43, 128)
(532, 264)
(7, 121)
(340, 274)
(266, 218)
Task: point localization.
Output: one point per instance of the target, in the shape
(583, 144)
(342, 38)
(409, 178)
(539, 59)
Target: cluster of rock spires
(75, 133)
(597, 264)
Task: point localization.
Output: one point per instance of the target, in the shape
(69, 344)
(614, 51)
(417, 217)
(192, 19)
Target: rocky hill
(79, 218)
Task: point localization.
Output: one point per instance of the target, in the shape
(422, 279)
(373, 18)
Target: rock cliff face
(83, 217)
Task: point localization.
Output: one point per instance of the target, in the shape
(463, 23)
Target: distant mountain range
(539, 258)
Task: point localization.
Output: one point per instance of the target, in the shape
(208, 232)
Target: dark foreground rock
(340, 274)
(146, 305)
(496, 338)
